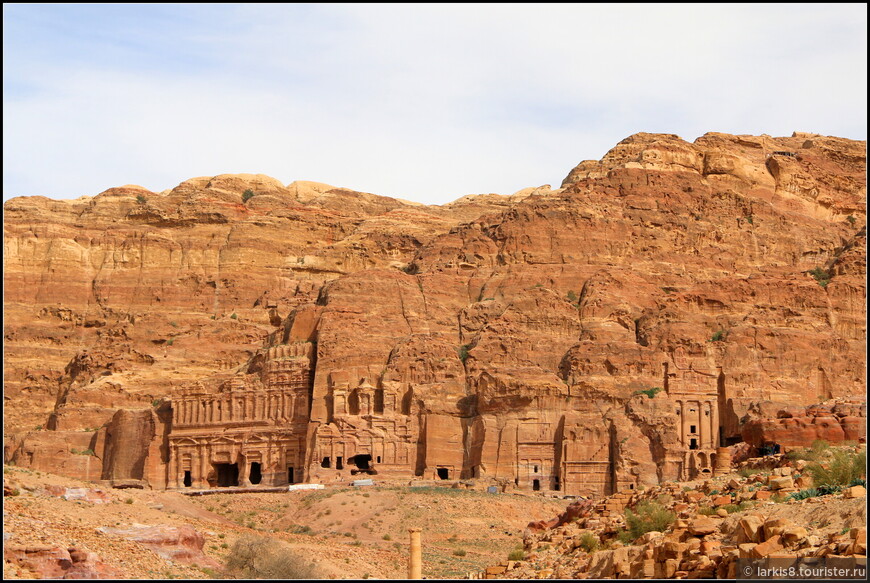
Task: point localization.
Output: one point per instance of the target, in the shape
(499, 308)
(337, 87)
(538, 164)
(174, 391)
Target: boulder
(177, 543)
(769, 546)
(702, 526)
(855, 492)
(781, 483)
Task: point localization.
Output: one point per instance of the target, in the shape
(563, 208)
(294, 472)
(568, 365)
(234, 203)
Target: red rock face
(800, 428)
(607, 334)
(58, 563)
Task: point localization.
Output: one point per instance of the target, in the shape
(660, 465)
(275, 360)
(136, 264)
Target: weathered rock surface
(58, 563)
(176, 543)
(603, 336)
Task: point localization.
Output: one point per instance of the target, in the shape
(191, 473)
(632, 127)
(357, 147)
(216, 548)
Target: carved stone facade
(257, 428)
(248, 431)
(696, 403)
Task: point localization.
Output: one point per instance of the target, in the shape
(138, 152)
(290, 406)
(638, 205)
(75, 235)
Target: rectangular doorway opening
(339, 463)
(693, 443)
(256, 475)
(536, 485)
(443, 473)
(188, 480)
(227, 475)
(290, 475)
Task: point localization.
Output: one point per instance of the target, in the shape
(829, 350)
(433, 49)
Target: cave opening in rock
(290, 475)
(536, 485)
(188, 480)
(255, 476)
(326, 463)
(443, 473)
(227, 475)
(339, 464)
(361, 461)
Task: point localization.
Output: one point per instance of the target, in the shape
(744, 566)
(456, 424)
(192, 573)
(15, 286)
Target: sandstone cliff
(609, 333)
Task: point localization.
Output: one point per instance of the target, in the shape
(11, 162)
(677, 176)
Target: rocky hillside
(767, 508)
(741, 255)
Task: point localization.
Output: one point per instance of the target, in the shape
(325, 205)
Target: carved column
(684, 422)
(415, 560)
(174, 465)
(703, 424)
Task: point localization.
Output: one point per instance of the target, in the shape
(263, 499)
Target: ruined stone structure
(245, 432)
(257, 429)
(696, 397)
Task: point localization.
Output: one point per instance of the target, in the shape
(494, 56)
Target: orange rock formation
(618, 331)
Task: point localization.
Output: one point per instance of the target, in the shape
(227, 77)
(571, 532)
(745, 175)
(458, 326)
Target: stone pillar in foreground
(723, 461)
(415, 561)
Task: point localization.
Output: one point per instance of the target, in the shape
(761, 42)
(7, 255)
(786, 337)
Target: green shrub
(459, 552)
(247, 195)
(253, 557)
(707, 511)
(141, 199)
(803, 494)
(463, 352)
(822, 276)
(858, 482)
(719, 335)
(826, 489)
(815, 452)
(732, 508)
(747, 472)
(841, 470)
(516, 555)
(128, 501)
(851, 220)
(624, 536)
(649, 392)
(234, 316)
(589, 542)
(647, 517)
(572, 297)
(387, 537)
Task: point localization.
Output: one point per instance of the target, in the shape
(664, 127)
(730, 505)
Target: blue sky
(422, 102)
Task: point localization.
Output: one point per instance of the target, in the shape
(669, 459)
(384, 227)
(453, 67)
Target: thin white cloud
(426, 102)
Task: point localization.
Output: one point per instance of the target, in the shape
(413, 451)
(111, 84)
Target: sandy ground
(345, 532)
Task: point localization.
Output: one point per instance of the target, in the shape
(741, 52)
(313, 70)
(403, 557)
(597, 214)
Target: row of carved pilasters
(708, 425)
(250, 407)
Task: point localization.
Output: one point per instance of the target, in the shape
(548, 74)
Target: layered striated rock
(615, 332)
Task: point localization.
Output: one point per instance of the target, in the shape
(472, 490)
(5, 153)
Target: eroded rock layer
(618, 331)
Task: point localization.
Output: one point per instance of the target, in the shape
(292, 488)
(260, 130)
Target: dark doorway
(379, 459)
(556, 484)
(339, 464)
(361, 461)
(326, 463)
(692, 429)
(536, 485)
(693, 443)
(188, 481)
(443, 473)
(290, 475)
(256, 476)
(227, 475)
